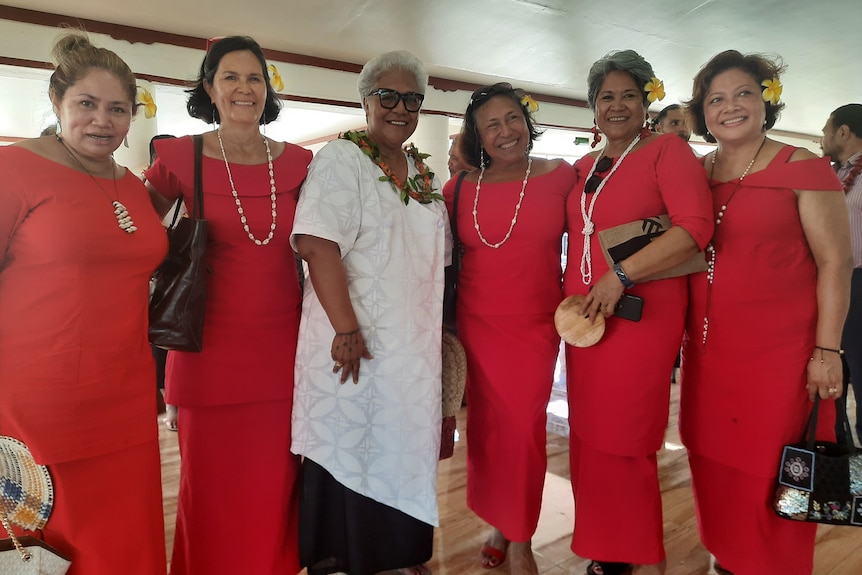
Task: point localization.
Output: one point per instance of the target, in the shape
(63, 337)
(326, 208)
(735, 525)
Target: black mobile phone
(629, 307)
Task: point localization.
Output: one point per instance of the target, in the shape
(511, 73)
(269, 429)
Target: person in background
(235, 397)
(456, 162)
(508, 288)
(618, 389)
(371, 225)
(763, 333)
(842, 143)
(79, 241)
(672, 120)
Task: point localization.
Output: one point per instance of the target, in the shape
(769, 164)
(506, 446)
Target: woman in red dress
(235, 397)
(764, 326)
(618, 390)
(76, 373)
(510, 218)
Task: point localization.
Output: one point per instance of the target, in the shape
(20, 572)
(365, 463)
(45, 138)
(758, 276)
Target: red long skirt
(237, 509)
(618, 515)
(107, 515)
(738, 526)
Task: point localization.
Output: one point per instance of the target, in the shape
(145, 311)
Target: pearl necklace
(124, 220)
(517, 208)
(236, 199)
(587, 214)
(710, 270)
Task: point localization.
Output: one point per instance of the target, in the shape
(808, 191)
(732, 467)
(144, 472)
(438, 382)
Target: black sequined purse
(819, 481)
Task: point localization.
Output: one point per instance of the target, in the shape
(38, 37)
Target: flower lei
(420, 187)
(851, 176)
(772, 91)
(654, 89)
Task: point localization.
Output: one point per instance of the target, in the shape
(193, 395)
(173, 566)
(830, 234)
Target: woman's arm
(827, 230)
(160, 203)
(330, 284)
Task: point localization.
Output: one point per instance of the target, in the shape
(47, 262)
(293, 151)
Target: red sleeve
(172, 171)
(13, 203)
(684, 188)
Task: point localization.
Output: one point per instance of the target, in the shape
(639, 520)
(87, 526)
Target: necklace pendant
(124, 220)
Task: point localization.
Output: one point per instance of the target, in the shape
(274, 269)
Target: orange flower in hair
(772, 91)
(654, 89)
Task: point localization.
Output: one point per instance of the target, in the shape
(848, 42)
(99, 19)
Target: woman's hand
(603, 297)
(825, 375)
(347, 349)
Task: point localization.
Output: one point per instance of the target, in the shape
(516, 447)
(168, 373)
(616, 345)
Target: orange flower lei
(420, 187)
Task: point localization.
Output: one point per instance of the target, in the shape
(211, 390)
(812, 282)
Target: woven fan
(26, 491)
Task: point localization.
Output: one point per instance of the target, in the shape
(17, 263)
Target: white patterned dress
(381, 437)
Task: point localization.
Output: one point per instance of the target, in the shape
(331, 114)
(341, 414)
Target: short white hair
(397, 60)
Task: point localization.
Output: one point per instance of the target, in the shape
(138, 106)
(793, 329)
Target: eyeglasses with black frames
(389, 99)
(603, 165)
(486, 92)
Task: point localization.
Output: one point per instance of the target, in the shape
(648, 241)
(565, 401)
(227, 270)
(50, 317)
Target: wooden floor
(457, 541)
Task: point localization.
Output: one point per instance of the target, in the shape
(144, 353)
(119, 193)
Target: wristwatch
(618, 269)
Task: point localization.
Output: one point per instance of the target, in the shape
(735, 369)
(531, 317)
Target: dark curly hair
(200, 105)
(469, 142)
(758, 66)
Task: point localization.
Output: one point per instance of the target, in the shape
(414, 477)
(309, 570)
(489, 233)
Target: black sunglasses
(603, 165)
(486, 92)
(389, 99)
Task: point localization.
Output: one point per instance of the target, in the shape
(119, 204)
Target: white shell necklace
(587, 214)
(517, 208)
(239, 209)
(124, 220)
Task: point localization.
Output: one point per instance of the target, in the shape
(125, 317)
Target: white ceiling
(545, 46)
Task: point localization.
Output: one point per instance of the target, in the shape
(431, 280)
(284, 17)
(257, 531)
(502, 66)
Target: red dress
(235, 397)
(76, 372)
(618, 390)
(506, 302)
(743, 393)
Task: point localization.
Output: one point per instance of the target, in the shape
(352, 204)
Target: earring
(596, 136)
(481, 157)
(126, 140)
(214, 116)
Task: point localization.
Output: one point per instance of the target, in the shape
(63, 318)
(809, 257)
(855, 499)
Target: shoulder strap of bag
(456, 242)
(198, 210)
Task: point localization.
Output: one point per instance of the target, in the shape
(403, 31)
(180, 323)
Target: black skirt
(343, 531)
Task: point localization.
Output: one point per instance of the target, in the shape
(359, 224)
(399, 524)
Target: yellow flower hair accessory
(275, 78)
(529, 103)
(654, 89)
(147, 100)
(772, 91)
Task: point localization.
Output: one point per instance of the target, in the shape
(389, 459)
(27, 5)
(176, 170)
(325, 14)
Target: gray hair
(624, 61)
(397, 60)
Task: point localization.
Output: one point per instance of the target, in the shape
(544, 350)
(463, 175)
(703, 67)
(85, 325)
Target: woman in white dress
(366, 414)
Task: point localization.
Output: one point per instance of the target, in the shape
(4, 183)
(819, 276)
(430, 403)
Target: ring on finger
(339, 364)
(832, 390)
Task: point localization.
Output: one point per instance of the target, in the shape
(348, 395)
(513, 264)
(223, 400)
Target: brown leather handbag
(179, 286)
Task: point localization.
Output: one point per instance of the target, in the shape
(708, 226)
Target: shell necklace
(587, 214)
(236, 199)
(517, 207)
(710, 270)
(124, 220)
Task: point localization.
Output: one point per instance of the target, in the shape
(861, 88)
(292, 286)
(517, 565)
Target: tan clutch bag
(620, 242)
